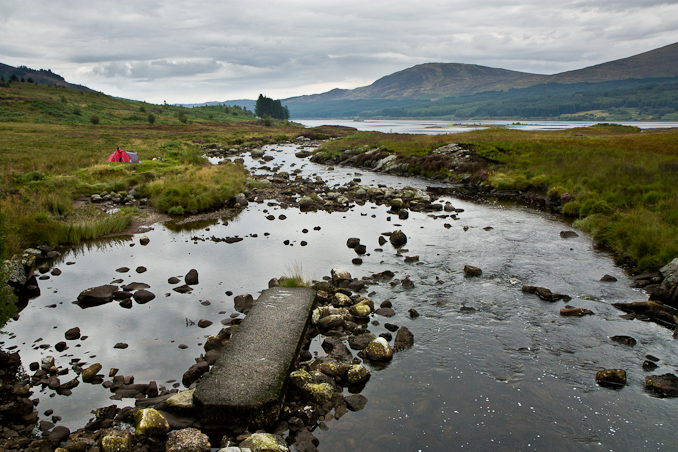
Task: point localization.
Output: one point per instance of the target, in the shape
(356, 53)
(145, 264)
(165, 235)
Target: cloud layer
(213, 50)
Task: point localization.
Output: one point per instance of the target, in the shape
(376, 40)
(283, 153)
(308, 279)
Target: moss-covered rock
(358, 374)
(300, 378)
(363, 308)
(318, 392)
(611, 378)
(149, 422)
(341, 300)
(378, 350)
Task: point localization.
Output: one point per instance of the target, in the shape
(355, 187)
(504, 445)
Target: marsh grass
(295, 277)
(195, 189)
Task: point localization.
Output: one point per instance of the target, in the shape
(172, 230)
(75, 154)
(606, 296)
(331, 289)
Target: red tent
(119, 156)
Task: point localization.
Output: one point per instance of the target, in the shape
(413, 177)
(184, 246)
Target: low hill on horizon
(39, 76)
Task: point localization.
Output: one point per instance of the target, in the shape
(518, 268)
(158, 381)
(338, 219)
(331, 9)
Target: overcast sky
(190, 52)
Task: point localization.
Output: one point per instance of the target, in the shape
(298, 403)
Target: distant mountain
(661, 62)
(444, 84)
(437, 80)
(41, 76)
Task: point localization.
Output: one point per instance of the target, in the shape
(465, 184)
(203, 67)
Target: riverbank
(616, 182)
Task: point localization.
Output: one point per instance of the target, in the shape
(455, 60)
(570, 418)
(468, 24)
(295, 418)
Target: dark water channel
(510, 374)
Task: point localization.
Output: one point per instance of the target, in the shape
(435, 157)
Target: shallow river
(511, 374)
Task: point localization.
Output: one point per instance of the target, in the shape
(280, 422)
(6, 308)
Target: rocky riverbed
(414, 282)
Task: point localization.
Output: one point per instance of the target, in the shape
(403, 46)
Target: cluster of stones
(662, 308)
(453, 162)
(20, 271)
(166, 419)
(130, 198)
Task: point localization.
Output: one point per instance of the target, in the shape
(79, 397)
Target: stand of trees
(270, 107)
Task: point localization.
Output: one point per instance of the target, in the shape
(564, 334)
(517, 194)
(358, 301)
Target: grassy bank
(53, 148)
(620, 183)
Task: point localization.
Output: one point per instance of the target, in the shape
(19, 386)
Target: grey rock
(191, 277)
(96, 296)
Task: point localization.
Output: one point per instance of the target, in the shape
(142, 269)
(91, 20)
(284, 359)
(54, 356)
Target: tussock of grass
(196, 188)
(295, 278)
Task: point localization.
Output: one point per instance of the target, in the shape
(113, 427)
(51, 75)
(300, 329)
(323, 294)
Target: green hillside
(30, 102)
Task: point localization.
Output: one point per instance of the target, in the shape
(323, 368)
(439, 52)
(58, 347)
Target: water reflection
(491, 368)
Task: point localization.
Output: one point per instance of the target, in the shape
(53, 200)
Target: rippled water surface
(508, 374)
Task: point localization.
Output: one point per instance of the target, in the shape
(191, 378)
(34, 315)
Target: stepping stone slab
(247, 383)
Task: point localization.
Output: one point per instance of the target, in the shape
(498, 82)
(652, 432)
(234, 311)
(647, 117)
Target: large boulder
(667, 291)
(96, 296)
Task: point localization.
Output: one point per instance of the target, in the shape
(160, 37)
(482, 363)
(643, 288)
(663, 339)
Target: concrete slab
(247, 383)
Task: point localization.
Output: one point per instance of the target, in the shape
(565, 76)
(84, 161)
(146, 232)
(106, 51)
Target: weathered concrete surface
(247, 383)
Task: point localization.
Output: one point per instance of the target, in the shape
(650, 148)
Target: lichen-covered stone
(341, 300)
(149, 422)
(115, 441)
(378, 350)
(181, 401)
(187, 440)
(363, 308)
(339, 274)
(300, 378)
(319, 392)
(264, 442)
(358, 374)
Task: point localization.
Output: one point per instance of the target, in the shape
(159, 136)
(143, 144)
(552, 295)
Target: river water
(434, 127)
(509, 374)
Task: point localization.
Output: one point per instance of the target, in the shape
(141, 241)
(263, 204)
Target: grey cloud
(157, 69)
(151, 49)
